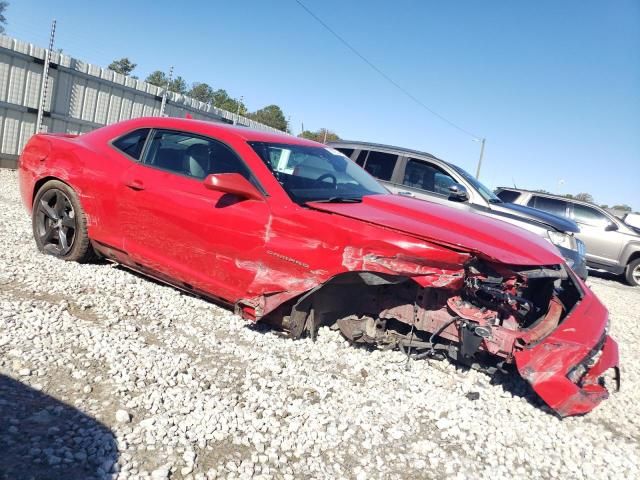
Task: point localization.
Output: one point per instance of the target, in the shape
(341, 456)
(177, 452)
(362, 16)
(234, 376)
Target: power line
(384, 75)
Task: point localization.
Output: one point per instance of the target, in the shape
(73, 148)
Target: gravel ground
(104, 374)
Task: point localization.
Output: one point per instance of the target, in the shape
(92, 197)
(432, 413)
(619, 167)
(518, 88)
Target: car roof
(550, 195)
(381, 145)
(213, 128)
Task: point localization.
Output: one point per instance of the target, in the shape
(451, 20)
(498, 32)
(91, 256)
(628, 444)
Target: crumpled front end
(433, 300)
(574, 368)
(486, 315)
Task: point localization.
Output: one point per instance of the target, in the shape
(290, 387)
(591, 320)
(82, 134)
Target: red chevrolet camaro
(288, 231)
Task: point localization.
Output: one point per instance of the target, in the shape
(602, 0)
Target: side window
(362, 156)
(508, 196)
(589, 216)
(551, 205)
(422, 175)
(132, 143)
(347, 152)
(380, 164)
(193, 156)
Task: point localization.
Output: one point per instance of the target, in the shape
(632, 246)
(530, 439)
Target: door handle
(135, 185)
(405, 193)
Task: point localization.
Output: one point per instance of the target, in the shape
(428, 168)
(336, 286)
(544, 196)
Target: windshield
(487, 194)
(316, 173)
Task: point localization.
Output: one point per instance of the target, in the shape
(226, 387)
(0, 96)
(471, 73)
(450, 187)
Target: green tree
(123, 66)
(178, 85)
(221, 99)
(160, 79)
(202, 92)
(624, 207)
(271, 115)
(321, 135)
(585, 197)
(157, 78)
(604, 205)
(3, 19)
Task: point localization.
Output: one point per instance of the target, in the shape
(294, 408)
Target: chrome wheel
(55, 222)
(635, 274)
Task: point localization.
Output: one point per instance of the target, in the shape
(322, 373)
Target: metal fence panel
(80, 97)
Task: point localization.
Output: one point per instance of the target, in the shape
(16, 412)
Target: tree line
(271, 115)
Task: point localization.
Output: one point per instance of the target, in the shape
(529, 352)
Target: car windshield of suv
(311, 174)
(486, 193)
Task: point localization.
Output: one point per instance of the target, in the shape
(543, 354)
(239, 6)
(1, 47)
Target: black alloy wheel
(56, 222)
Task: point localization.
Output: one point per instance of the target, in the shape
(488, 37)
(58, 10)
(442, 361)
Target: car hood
(436, 223)
(556, 222)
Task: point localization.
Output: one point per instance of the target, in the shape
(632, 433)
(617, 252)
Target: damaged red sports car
(288, 231)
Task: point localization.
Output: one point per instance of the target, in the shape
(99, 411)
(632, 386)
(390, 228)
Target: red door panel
(172, 224)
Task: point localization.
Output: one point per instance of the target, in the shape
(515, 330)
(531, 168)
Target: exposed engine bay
(478, 321)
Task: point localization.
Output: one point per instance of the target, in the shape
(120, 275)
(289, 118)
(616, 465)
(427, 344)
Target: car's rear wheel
(59, 223)
(633, 273)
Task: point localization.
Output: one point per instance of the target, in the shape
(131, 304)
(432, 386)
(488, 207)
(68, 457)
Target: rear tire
(60, 224)
(632, 274)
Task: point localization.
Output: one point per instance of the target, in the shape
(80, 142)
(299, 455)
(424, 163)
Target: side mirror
(458, 193)
(232, 183)
(611, 227)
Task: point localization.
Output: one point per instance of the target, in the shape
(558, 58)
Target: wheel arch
(37, 186)
(630, 253)
(316, 306)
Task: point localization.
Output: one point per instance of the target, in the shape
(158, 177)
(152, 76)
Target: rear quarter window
(508, 196)
(347, 152)
(132, 143)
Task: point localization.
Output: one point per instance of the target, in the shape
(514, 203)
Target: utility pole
(482, 142)
(45, 78)
(325, 136)
(163, 105)
(238, 110)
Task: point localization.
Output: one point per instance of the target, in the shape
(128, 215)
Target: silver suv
(611, 244)
(421, 175)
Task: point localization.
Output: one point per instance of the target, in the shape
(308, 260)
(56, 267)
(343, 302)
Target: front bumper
(580, 339)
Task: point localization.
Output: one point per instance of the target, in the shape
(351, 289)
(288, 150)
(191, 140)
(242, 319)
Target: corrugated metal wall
(80, 97)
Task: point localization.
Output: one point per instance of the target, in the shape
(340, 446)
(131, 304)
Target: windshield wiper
(338, 200)
(495, 200)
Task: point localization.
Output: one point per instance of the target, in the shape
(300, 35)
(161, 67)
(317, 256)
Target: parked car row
(421, 175)
(611, 244)
(292, 232)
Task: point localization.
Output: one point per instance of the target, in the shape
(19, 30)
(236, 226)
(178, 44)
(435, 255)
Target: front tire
(60, 224)
(633, 273)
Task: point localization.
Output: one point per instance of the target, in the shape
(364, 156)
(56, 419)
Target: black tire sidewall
(78, 249)
(629, 274)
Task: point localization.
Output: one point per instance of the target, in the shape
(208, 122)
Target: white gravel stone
(201, 394)
(122, 416)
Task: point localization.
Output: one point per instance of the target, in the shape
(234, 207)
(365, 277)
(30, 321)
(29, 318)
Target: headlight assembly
(563, 240)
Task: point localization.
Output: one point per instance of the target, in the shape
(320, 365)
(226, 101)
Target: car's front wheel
(59, 223)
(633, 273)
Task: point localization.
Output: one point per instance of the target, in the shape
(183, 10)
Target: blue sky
(553, 86)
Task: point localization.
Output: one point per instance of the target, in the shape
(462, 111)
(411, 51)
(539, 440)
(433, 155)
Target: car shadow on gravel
(43, 438)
